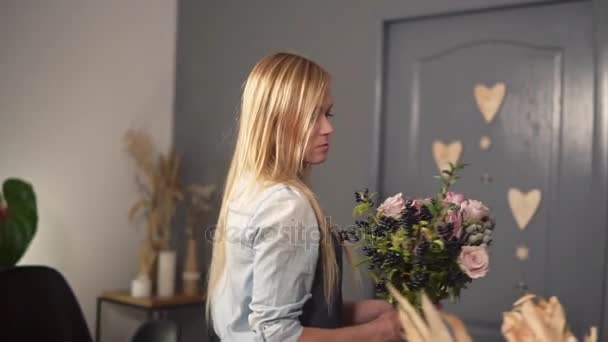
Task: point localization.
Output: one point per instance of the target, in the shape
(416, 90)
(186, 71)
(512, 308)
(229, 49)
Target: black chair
(37, 304)
(157, 331)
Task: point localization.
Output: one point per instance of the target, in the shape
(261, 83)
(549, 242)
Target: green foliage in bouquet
(18, 220)
(435, 245)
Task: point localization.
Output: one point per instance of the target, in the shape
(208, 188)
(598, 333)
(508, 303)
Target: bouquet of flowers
(433, 245)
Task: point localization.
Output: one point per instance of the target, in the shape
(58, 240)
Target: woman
(276, 267)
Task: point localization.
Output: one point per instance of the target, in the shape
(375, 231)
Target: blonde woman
(276, 267)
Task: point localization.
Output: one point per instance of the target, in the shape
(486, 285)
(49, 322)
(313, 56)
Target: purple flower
(473, 210)
(392, 206)
(455, 217)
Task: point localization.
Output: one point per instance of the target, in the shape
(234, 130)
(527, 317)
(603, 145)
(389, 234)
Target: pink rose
(473, 210)
(454, 198)
(455, 217)
(419, 203)
(474, 261)
(392, 206)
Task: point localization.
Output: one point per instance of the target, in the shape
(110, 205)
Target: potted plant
(157, 177)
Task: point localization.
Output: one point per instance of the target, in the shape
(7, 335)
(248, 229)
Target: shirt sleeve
(286, 247)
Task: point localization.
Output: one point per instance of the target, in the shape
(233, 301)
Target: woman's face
(318, 145)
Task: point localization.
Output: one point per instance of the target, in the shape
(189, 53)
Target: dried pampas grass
(532, 319)
(434, 326)
(157, 178)
(535, 319)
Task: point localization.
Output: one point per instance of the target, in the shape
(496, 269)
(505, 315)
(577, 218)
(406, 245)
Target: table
(155, 307)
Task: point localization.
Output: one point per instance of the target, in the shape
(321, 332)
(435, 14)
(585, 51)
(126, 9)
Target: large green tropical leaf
(18, 221)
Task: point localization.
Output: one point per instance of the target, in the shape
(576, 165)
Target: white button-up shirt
(272, 246)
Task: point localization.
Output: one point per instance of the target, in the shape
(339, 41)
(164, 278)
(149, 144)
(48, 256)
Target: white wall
(74, 76)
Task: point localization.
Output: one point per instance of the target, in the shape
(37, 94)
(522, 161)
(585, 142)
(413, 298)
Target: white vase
(166, 274)
(141, 286)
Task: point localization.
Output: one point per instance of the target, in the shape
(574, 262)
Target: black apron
(316, 312)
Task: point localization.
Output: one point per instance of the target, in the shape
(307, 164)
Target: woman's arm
(283, 265)
(283, 273)
(362, 333)
(385, 328)
(363, 311)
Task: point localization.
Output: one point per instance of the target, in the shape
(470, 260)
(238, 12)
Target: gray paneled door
(541, 138)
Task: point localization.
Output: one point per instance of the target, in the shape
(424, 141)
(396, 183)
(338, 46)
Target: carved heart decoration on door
(489, 100)
(524, 205)
(445, 154)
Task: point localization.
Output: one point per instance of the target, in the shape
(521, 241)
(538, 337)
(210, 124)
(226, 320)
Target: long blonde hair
(279, 107)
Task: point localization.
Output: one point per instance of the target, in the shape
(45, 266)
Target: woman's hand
(384, 326)
(389, 326)
(364, 311)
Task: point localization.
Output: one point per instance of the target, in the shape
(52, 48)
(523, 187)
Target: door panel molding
(466, 45)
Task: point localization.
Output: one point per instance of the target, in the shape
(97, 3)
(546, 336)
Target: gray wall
(218, 43)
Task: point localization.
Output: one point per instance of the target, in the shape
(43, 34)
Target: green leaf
(437, 246)
(361, 209)
(397, 239)
(427, 232)
(391, 273)
(383, 248)
(432, 209)
(18, 228)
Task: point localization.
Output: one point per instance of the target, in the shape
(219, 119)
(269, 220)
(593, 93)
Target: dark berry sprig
(409, 216)
(419, 258)
(362, 196)
(418, 280)
(425, 214)
(453, 247)
(457, 278)
(393, 258)
(446, 231)
(381, 287)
